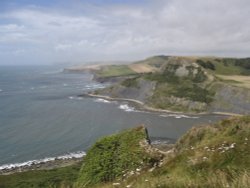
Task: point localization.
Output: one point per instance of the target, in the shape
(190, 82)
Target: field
(114, 70)
(142, 68)
(237, 80)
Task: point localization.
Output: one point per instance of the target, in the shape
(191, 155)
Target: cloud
(126, 32)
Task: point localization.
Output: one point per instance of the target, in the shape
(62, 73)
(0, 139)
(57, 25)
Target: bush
(206, 65)
(111, 156)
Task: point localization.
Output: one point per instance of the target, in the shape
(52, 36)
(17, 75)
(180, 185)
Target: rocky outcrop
(231, 99)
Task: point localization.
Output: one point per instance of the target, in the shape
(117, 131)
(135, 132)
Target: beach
(141, 106)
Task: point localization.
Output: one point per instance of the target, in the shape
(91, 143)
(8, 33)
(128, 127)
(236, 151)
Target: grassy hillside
(187, 84)
(207, 156)
(113, 156)
(216, 65)
(62, 177)
(114, 70)
(226, 66)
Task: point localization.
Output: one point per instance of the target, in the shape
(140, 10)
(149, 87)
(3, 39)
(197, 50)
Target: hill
(185, 84)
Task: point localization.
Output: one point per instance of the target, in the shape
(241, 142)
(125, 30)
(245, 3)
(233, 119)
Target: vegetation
(226, 66)
(213, 156)
(114, 70)
(111, 157)
(60, 177)
(206, 65)
(187, 84)
(187, 87)
(207, 156)
(156, 61)
(130, 82)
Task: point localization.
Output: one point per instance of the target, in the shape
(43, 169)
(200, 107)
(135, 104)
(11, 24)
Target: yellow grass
(142, 68)
(241, 81)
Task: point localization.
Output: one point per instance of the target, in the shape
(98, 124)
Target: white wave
(1, 90)
(75, 98)
(127, 108)
(74, 155)
(102, 100)
(65, 85)
(94, 86)
(178, 116)
(71, 97)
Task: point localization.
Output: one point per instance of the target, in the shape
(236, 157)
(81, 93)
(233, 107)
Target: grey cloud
(177, 27)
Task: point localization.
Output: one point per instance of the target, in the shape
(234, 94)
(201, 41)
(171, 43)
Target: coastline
(141, 106)
(43, 164)
(49, 165)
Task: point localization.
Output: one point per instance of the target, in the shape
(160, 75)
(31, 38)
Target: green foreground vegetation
(207, 156)
(60, 177)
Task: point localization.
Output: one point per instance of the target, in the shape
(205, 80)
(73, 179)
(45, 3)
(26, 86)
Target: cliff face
(187, 84)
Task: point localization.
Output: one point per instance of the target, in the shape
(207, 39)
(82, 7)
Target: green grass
(131, 82)
(207, 156)
(61, 177)
(226, 66)
(113, 156)
(189, 87)
(156, 61)
(114, 70)
(201, 159)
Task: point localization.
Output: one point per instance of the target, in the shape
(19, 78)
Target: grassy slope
(114, 70)
(208, 156)
(188, 93)
(61, 177)
(153, 63)
(111, 157)
(222, 66)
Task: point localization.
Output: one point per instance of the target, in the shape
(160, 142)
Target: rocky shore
(141, 106)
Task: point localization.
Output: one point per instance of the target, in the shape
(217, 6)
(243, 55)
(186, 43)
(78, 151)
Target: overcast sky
(49, 31)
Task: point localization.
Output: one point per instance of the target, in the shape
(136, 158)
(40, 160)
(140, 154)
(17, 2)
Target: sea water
(42, 117)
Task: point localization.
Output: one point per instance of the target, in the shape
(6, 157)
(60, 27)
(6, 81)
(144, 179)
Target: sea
(42, 117)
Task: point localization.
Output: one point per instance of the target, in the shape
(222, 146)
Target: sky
(69, 31)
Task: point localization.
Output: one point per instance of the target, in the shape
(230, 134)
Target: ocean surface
(41, 116)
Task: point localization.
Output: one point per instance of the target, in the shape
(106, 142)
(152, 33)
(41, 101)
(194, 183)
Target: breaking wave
(127, 108)
(178, 116)
(102, 100)
(75, 98)
(73, 155)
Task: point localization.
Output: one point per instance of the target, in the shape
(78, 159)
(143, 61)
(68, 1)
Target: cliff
(185, 84)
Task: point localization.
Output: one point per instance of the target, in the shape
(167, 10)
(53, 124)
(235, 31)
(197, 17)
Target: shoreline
(141, 106)
(64, 162)
(49, 165)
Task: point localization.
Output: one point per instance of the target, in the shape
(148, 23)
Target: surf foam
(102, 100)
(178, 116)
(126, 108)
(75, 98)
(73, 155)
